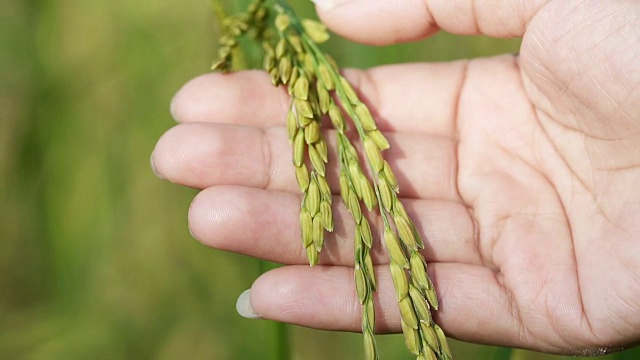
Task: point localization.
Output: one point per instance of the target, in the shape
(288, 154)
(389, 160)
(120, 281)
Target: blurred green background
(96, 261)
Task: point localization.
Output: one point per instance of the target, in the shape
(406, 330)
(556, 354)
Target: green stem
(503, 353)
(281, 330)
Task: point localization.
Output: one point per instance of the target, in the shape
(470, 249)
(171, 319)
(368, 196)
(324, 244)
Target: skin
(522, 172)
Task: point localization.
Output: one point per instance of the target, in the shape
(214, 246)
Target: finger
(264, 224)
(322, 297)
(203, 155)
(384, 22)
(418, 98)
(245, 96)
(470, 299)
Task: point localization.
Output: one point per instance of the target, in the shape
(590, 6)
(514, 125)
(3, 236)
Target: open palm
(522, 172)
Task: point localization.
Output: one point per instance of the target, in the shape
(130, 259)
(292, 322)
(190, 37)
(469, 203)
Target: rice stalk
(318, 91)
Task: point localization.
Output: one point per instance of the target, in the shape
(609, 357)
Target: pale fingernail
(243, 306)
(328, 4)
(153, 168)
(172, 108)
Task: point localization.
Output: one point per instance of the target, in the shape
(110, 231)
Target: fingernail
(153, 168)
(243, 306)
(328, 4)
(172, 108)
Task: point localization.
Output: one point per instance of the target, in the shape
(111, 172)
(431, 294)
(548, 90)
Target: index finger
(416, 98)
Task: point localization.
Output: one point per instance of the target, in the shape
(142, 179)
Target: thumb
(384, 22)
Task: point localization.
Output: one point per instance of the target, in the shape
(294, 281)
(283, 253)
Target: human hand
(522, 173)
